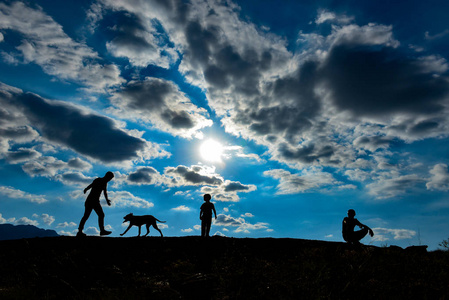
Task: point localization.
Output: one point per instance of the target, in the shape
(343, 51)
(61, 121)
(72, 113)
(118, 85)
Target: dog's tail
(160, 221)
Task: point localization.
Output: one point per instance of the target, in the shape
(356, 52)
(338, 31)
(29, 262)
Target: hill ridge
(216, 268)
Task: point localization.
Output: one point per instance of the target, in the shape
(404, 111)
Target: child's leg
(203, 227)
(208, 223)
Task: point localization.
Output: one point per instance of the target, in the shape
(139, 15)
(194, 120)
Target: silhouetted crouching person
(206, 215)
(93, 203)
(349, 223)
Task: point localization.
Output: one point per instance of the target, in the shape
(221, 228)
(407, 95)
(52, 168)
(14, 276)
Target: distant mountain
(14, 232)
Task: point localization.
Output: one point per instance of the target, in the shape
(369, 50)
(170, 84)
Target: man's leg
(87, 211)
(358, 235)
(99, 210)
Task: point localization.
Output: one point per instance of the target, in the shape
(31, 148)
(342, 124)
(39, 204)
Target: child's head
(207, 197)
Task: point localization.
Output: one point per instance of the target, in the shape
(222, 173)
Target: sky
(288, 113)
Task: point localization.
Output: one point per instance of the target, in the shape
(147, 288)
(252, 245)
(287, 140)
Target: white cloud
(384, 234)
(308, 179)
(49, 166)
(439, 35)
(218, 233)
(126, 199)
(433, 64)
(3, 220)
(386, 188)
(301, 106)
(181, 208)
(138, 40)
(13, 193)
(240, 223)
(66, 224)
(68, 233)
(47, 45)
(331, 17)
(188, 230)
(92, 231)
(439, 179)
(371, 34)
(26, 221)
(46, 218)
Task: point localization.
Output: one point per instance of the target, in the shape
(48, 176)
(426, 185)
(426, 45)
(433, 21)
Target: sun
(211, 150)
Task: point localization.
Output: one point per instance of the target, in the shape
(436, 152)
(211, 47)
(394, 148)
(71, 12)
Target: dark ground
(216, 268)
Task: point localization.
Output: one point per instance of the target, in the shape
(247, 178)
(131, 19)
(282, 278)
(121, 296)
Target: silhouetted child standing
(93, 203)
(206, 215)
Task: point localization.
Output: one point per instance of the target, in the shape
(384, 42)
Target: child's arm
(215, 212)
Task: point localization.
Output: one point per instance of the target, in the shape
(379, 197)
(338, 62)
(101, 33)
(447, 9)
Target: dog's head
(128, 217)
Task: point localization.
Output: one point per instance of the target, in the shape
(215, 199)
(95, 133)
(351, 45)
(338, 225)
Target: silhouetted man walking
(206, 215)
(93, 203)
(349, 223)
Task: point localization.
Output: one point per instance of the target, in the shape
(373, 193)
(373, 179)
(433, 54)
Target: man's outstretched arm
(105, 191)
(88, 187)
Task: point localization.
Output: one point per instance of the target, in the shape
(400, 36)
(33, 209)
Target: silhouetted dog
(138, 221)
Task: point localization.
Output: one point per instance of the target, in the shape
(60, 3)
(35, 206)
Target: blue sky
(288, 113)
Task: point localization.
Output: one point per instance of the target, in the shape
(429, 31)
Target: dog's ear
(131, 214)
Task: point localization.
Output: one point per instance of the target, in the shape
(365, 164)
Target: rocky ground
(216, 268)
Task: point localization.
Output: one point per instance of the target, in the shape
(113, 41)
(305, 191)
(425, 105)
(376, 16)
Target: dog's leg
(155, 227)
(130, 225)
(139, 229)
(148, 229)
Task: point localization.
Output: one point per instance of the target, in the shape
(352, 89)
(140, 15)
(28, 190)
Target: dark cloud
(425, 126)
(368, 81)
(21, 155)
(298, 90)
(92, 135)
(18, 133)
(193, 176)
(139, 40)
(224, 220)
(147, 95)
(306, 154)
(178, 119)
(234, 186)
(161, 103)
(143, 176)
(200, 41)
(373, 143)
(78, 163)
(284, 121)
(129, 33)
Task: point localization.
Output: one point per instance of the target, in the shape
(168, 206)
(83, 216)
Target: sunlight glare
(211, 150)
